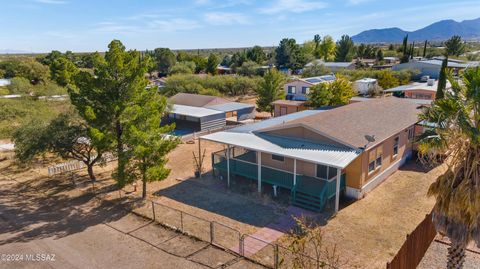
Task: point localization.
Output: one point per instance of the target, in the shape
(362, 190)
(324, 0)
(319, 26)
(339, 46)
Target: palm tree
(456, 213)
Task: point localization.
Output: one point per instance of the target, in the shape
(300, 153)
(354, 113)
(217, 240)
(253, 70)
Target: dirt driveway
(48, 216)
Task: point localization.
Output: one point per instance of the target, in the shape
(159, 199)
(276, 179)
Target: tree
(405, 51)
(102, 97)
(425, 49)
(456, 134)
(335, 93)
(386, 79)
(249, 68)
(454, 46)
(212, 64)
(256, 54)
(442, 79)
(62, 70)
(269, 90)
(64, 136)
(182, 68)
(317, 39)
(20, 85)
(164, 59)
(327, 49)
(345, 49)
(379, 55)
(147, 142)
(288, 54)
(226, 61)
(238, 58)
(315, 70)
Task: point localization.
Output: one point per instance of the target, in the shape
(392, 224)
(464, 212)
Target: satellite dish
(370, 138)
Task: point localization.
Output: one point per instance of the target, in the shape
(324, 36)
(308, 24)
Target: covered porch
(305, 191)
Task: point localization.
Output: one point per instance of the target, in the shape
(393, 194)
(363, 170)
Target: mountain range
(438, 31)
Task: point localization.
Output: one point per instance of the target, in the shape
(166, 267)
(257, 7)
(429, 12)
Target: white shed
(364, 85)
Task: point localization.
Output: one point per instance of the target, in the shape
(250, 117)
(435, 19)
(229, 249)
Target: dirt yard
(47, 215)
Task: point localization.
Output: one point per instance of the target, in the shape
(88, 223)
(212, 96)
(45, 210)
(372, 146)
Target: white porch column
(228, 166)
(337, 194)
(259, 163)
(294, 172)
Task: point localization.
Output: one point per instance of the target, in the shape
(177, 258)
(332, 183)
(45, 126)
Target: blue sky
(89, 25)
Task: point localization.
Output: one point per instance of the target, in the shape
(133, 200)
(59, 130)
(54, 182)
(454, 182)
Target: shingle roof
(188, 99)
(382, 117)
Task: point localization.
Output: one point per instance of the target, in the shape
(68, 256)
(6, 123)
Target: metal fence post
(275, 256)
(181, 221)
(153, 210)
(212, 232)
(241, 246)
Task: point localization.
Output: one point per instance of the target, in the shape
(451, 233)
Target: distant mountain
(438, 31)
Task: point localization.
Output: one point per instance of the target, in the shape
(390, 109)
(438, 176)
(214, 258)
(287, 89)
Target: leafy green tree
(226, 61)
(62, 70)
(212, 64)
(256, 54)
(386, 79)
(200, 63)
(147, 142)
(164, 59)
(326, 50)
(335, 93)
(269, 90)
(182, 68)
(379, 55)
(315, 70)
(288, 54)
(454, 46)
(249, 69)
(456, 213)
(64, 136)
(20, 85)
(183, 56)
(442, 79)
(238, 58)
(34, 71)
(88, 60)
(345, 49)
(316, 40)
(102, 97)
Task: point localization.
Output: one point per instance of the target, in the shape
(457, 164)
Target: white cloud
(357, 2)
(296, 6)
(225, 18)
(51, 2)
(202, 2)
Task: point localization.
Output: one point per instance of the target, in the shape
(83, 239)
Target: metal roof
(245, 136)
(232, 106)
(193, 111)
(292, 148)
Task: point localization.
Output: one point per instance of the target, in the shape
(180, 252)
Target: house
(223, 70)
(364, 85)
(390, 60)
(194, 112)
(430, 68)
(418, 90)
(317, 155)
(333, 66)
(298, 89)
(284, 107)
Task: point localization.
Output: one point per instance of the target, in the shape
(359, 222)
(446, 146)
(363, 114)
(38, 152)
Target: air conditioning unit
(430, 82)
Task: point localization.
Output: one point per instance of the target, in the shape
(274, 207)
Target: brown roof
(188, 99)
(288, 102)
(382, 117)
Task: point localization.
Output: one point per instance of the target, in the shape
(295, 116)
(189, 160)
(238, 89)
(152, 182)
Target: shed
(196, 118)
(240, 111)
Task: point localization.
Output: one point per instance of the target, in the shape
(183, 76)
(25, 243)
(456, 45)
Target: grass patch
(16, 112)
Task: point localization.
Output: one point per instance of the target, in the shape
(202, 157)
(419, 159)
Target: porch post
(337, 194)
(259, 161)
(294, 172)
(228, 166)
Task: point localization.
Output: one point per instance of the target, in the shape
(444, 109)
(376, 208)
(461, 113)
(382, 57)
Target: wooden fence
(415, 246)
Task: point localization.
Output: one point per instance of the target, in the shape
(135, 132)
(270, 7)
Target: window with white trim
(291, 89)
(305, 90)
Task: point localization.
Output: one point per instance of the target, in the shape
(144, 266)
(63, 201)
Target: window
(378, 162)
(291, 89)
(410, 133)
(322, 171)
(395, 146)
(371, 166)
(305, 90)
(278, 158)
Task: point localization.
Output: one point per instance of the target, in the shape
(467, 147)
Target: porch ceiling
(316, 153)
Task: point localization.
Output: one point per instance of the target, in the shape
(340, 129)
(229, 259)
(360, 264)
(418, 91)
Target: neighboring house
(316, 155)
(298, 89)
(223, 70)
(430, 68)
(333, 66)
(418, 90)
(194, 112)
(284, 107)
(390, 60)
(4, 82)
(364, 85)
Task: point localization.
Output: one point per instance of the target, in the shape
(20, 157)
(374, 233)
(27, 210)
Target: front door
(283, 110)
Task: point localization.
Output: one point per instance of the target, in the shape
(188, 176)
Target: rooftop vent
(430, 82)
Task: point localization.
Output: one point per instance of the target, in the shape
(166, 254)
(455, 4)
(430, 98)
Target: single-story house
(418, 90)
(284, 107)
(332, 66)
(298, 89)
(317, 155)
(429, 68)
(194, 112)
(364, 85)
